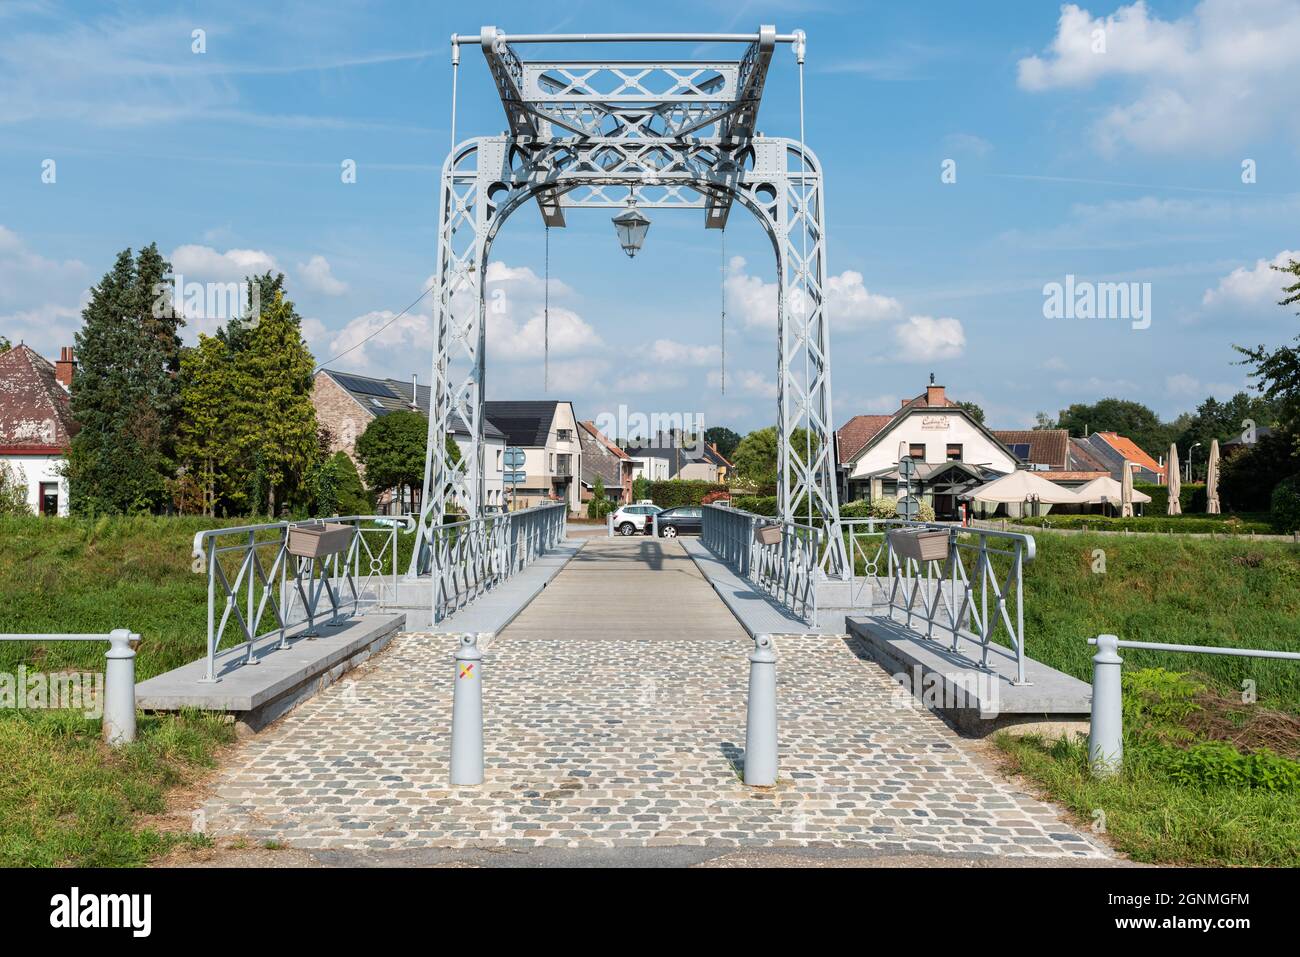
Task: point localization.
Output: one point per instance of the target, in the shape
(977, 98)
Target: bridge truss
(675, 134)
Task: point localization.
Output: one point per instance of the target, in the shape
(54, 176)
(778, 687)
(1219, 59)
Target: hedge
(1191, 497)
(676, 492)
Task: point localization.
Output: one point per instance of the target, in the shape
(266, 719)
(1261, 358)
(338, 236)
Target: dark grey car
(683, 520)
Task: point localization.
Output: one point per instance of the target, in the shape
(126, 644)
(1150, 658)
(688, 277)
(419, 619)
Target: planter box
(768, 534)
(923, 546)
(317, 541)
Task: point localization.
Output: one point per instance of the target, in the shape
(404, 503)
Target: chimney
(64, 368)
(934, 395)
(415, 392)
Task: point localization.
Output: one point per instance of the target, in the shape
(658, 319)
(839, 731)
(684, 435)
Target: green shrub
(1158, 698)
(1285, 511)
(1163, 524)
(676, 492)
(1191, 497)
(758, 504)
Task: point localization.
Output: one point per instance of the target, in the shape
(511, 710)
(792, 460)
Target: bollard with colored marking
(467, 714)
(760, 725)
(1106, 737)
(119, 688)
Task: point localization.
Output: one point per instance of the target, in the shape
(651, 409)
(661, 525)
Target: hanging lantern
(631, 227)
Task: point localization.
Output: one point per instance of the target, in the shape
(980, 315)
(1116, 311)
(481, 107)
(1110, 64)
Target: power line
(377, 331)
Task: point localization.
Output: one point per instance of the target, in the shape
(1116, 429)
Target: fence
(264, 592)
(1106, 734)
(975, 592)
(468, 558)
(119, 680)
(785, 567)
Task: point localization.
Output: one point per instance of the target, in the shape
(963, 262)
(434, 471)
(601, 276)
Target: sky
(975, 155)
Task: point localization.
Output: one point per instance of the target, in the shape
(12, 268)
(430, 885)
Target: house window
(917, 450)
(564, 435)
(954, 452)
(500, 452)
(49, 498)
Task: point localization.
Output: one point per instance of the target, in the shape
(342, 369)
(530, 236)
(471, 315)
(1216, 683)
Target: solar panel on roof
(1020, 450)
(364, 386)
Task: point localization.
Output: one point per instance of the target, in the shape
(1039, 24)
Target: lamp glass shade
(631, 227)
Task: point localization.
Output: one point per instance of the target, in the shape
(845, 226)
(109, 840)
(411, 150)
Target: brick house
(36, 426)
(602, 458)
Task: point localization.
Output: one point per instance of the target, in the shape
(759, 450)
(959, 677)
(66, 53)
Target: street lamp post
(1194, 447)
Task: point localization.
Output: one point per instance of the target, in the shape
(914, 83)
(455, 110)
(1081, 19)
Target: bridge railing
(781, 562)
(974, 591)
(259, 591)
(468, 558)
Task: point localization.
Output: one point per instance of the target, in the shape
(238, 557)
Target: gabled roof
(599, 436)
(382, 396)
(35, 410)
(1046, 446)
(1083, 457)
(1130, 451)
(857, 432)
(524, 423)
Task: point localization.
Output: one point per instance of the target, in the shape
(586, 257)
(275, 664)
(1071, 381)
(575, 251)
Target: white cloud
(40, 298)
(967, 144)
(203, 263)
(413, 332)
(316, 275)
(924, 338)
(1256, 289)
(1055, 364)
(1215, 78)
(746, 381)
(849, 303)
(680, 353)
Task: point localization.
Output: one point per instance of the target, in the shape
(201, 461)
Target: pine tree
(206, 432)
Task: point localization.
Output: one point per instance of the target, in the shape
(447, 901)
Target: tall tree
(5, 345)
(723, 439)
(974, 410)
(206, 439)
(1131, 419)
(121, 397)
(1277, 371)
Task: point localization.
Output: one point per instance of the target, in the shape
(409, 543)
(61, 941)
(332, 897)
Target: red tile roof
(600, 437)
(1129, 449)
(35, 411)
(857, 432)
(1046, 446)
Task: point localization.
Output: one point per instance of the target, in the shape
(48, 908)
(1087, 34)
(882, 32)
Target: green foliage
(392, 451)
(1277, 371)
(1249, 475)
(1218, 764)
(756, 455)
(5, 345)
(208, 431)
(640, 488)
(1285, 510)
(13, 492)
(682, 492)
(125, 395)
(973, 410)
(758, 504)
(599, 506)
(1190, 496)
(1156, 699)
(723, 439)
(1156, 522)
(337, 488)
(884, 507)
(1131, 419)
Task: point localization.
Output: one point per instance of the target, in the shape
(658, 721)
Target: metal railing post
(1106, 737)
(760, 723)
(467, 715)
(119, 688)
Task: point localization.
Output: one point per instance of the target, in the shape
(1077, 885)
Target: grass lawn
(1245, 523)
(66, 799)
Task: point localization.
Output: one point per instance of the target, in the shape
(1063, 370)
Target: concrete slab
(277, 672)
(492, 612)
(976, 700)
(757, 613)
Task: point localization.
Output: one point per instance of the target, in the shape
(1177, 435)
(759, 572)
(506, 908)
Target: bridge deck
(628, 588)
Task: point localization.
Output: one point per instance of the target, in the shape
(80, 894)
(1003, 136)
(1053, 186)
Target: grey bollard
(609, 524)
(760, 725)
(119, 688)
(1106, 737)
(467, 714)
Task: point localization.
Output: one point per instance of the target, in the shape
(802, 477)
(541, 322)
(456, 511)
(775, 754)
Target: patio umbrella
(1104, 490)
(1021, 486)
(1174, 482)
(1126, 491)
(1212, 480)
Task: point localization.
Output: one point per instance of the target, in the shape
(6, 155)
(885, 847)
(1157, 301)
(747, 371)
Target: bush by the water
(1285, 512)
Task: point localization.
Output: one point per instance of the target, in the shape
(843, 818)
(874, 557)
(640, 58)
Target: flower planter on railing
(318, 541)
(925, 545)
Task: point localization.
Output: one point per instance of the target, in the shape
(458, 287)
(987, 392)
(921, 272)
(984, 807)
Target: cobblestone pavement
(609, 743)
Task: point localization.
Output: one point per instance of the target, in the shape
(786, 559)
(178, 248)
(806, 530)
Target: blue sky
(1114, 164)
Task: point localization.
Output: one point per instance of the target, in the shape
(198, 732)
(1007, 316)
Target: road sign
(514, 458)
(514, 478)
(907, 467)
(909, 507)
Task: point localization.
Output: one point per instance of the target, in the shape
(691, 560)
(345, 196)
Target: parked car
(683, 520)
(630, 519)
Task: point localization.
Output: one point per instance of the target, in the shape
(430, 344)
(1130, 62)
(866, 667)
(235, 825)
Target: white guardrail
(258, 590)
(974, 591)
(475, 555)
(781, 561)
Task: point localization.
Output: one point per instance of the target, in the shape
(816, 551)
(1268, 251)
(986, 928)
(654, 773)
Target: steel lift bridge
(593, 132)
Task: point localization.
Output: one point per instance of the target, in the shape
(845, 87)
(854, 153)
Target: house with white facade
(36, 426)
(547, 432)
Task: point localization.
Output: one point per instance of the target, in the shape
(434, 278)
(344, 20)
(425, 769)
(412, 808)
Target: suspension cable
(546, 317)
(799, 48)
(724, 311)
